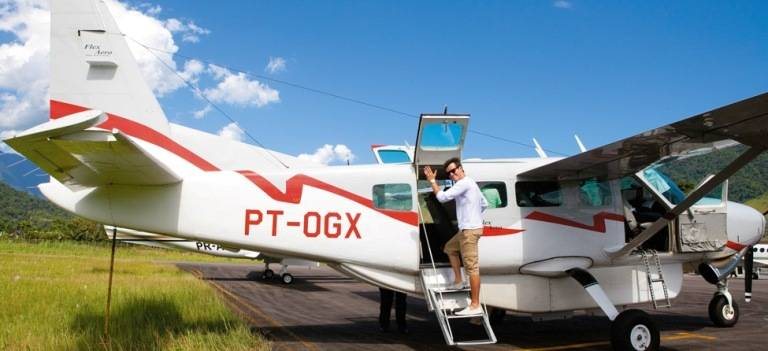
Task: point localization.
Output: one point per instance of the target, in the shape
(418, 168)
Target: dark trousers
(386, 308)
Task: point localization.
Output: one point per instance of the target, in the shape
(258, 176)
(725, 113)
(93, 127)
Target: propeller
(749, 260)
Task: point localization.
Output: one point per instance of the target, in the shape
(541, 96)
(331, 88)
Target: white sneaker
(457, 286)
(470, 311)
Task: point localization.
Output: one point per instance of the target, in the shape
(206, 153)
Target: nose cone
(745, 224)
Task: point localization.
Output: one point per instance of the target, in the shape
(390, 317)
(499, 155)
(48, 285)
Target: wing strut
(691, 199)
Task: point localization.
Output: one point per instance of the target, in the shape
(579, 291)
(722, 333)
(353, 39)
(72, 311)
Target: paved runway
(324, 310)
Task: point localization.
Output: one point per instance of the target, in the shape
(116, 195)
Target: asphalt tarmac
(324, 310)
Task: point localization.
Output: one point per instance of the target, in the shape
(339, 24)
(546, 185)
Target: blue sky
(546, 69)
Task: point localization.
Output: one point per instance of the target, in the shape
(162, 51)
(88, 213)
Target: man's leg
(474, 294)
(400, 310)
(385, 308)
(452, 248)
(471, 263)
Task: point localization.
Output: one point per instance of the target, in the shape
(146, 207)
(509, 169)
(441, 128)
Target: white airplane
(167, 242)
(558, 237)
(760, 253)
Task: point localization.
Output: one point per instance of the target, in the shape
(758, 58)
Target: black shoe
(402, 330)
(383, 329)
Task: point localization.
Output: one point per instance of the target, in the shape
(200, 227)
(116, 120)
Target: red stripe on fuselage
(496, 231)
(597, 226)
(294, 186)
(137, 130)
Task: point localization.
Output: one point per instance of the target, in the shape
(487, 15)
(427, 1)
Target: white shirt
(470, 203)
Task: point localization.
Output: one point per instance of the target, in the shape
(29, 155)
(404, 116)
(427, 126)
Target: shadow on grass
(141, 324)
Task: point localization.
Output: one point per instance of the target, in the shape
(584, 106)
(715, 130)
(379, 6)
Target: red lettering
(335, 226)
(353, 225)
(251, 221)
(317, 222)
(274, 214)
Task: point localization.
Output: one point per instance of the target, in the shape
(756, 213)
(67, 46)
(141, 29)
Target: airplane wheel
(755, 276)
(496, 316)
(268, 274)
(287, 278)
(721, 314)
(634, 330)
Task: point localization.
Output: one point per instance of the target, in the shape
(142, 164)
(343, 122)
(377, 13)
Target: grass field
(53, 295)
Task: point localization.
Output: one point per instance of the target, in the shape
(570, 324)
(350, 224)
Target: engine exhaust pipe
(715, 271)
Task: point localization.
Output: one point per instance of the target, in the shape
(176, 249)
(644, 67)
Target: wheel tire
(755, 276)
(287, 278)
(496, 316)
(269, 274)
(253, 275)
(634, 330)
(721, 314)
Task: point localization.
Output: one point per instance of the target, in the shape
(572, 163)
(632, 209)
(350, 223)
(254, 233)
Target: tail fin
(92, 67)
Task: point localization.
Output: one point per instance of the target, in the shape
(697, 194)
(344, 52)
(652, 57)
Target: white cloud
(5, 134)
(24, 63)
(562, 4)
(190, 32)
(232, 131)
(237, 89)
(201, 113)
(275, 65)
(329, 153)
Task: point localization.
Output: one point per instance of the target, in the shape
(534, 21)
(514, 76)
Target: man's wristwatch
(432, 181)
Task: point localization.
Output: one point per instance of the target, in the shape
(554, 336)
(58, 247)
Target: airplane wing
(80, 157)
(745, 122)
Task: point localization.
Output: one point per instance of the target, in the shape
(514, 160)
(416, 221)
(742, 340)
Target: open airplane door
(440, 137)
(702, 227)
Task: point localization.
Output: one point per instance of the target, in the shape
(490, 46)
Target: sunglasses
(452, 171)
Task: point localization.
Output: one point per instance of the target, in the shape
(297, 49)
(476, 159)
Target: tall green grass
(53, 295)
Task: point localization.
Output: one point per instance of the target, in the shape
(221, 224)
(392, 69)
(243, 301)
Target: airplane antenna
(578, 142)
(539, 149)
(199, 93)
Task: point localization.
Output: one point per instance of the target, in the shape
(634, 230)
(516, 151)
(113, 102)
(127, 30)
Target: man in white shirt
(470, 205)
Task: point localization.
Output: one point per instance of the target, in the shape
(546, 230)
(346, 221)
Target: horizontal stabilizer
(745, 122)
(79, 157)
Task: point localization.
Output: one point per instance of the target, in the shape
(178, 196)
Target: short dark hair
(455, 160)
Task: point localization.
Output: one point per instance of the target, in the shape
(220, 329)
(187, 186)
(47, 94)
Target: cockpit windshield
(664, 185)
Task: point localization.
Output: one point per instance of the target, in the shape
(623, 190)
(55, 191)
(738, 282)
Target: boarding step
(445, 300)
(651, 257)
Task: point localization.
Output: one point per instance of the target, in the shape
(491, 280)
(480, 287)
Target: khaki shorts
(465, 241)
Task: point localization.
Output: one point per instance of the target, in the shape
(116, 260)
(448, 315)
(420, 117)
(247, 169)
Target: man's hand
(429, 173)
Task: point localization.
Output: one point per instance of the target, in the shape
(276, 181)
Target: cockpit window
(538, 194)
(664, 185)
(596, 193)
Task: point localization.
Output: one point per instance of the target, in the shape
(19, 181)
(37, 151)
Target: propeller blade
(748, 264)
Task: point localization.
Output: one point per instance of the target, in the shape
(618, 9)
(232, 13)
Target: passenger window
(392, 197)
(495, 193)
(394, 156)
(538, 194)
(595, 193)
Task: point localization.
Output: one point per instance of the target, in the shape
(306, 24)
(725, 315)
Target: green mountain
(751, 182)
(25, 216)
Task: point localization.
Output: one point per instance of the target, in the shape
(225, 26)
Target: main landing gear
(723, 310)
(285, 277)
(631, 329)
(634, 330)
